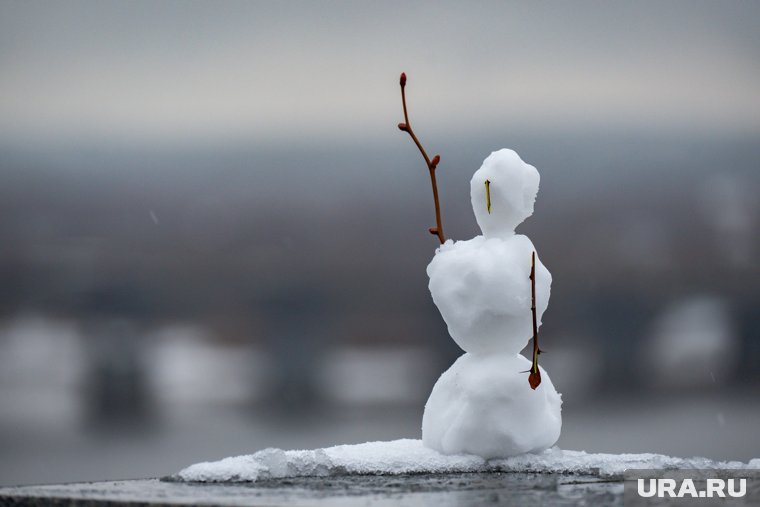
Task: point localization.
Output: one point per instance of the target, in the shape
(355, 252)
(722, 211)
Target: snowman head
(503, 191)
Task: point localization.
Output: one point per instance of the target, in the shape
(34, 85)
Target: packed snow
(484, 405)
(482, 289)
(411, 457)
(513, 189)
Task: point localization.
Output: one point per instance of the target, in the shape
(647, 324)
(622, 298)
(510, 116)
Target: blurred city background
(213, 237)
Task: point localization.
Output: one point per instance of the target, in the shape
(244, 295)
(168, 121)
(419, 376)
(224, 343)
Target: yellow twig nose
(488, 196)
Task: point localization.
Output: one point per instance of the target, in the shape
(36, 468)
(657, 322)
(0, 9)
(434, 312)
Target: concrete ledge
(439, 490)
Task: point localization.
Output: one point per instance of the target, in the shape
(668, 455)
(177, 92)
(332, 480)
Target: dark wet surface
(403, 490)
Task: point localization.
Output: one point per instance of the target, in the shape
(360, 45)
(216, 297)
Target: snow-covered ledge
(408, 456)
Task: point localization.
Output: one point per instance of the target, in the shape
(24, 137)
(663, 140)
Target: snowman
(484, 404)
(491, 291)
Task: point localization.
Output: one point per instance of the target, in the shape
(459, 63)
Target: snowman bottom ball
(483, 405)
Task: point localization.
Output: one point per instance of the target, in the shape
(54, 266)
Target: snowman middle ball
(481, 287)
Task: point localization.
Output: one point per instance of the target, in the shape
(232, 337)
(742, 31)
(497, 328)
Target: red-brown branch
(431, 164)
(534, 379)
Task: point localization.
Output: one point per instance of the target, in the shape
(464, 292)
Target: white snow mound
(483, 405)
(410, 456)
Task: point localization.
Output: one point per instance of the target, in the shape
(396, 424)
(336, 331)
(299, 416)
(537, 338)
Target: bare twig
(534, 379)
(431, 164)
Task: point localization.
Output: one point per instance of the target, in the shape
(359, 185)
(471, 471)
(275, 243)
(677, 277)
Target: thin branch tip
(405, 126)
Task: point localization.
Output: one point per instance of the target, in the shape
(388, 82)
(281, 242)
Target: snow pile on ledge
(410, 456)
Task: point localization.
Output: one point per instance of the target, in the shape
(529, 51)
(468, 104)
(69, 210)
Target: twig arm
(534, 379)
(431, 163)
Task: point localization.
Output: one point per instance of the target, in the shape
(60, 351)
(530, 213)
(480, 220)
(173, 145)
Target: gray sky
(164, 72)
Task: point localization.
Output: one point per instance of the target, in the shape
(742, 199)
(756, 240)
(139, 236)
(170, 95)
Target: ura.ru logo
(714, 488)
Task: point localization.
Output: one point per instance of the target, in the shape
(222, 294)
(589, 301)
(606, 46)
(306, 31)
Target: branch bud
(433, 231)
(534, 379)
(402, 79)
(403, 126)
(435, 161)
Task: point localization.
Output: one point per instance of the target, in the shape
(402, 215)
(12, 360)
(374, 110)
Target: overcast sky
(191, 71)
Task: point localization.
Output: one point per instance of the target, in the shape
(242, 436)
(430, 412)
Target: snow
(482, 289)
(513, 188)
(412, 457)
(483, 405)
